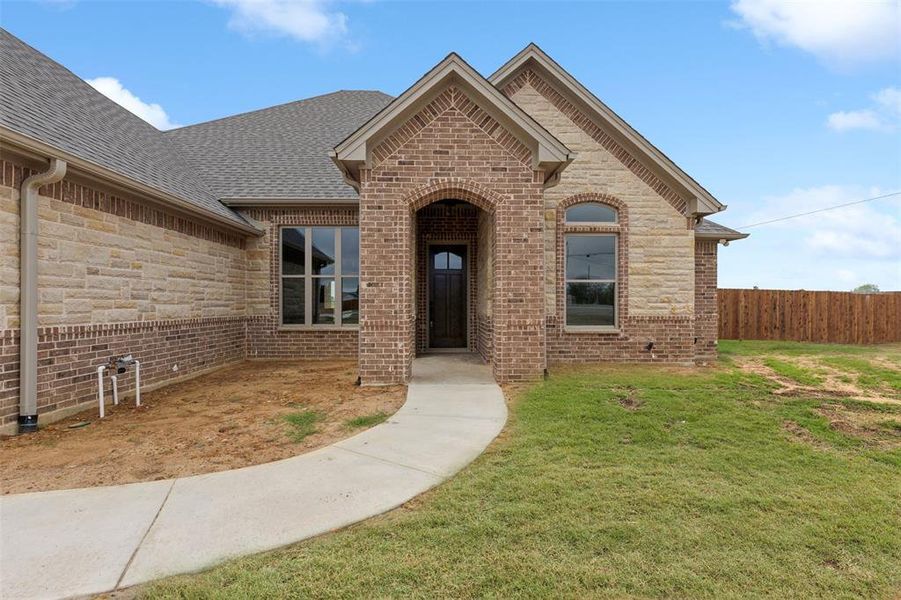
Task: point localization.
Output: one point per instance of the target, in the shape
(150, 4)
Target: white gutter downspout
(28, 292)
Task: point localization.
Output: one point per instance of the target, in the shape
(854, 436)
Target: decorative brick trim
(672, 337)
(453, 188)
(621, 228)
(12, 175)
(517, 83)
(451, 99)
(592, 129)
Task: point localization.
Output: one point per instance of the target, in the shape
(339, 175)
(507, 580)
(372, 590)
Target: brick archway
(460, 212)
(457, 189)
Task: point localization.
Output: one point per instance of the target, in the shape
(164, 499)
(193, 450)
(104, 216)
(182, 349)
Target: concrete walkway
(85, 541)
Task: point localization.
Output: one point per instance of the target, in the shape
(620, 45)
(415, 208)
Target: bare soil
(833, 385)
(231, 418)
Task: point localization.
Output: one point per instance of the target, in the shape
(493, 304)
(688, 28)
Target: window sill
(318, 328)
(590, 329)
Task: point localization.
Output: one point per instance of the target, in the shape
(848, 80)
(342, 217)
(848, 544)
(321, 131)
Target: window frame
(613, 229)
(309, 279)
(613, 223)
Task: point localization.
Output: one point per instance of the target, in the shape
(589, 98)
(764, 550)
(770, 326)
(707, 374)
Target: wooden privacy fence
(826, 317)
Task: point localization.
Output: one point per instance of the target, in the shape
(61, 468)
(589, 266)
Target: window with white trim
(591, 263)
(319, 271)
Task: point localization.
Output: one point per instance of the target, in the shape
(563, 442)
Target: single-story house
(515, 216)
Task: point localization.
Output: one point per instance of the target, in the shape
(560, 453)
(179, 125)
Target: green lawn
(630, 482)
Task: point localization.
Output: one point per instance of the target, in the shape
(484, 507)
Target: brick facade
(68, 357)
(452, 149)
(706, 318)
(118, 273)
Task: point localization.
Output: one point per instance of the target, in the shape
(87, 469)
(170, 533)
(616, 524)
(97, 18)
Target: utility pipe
(115, 381)
(137, 383)
(100, 371)
(28, 292)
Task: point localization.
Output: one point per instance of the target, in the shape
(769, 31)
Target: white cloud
(839, 32)
(883, 116)
(854, 119)
(869, 231)
(305, 20)
(115, 91)
(889, 100)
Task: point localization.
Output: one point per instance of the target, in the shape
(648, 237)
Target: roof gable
(700, 201)
(356, 151)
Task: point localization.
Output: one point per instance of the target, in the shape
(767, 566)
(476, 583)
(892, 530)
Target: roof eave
(90, 168)
(718, 237)
(261, 201)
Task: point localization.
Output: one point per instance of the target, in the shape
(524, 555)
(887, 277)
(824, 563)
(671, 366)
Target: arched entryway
(454, 278)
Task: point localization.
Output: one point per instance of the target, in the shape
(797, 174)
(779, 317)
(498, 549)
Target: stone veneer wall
(706, 308)
(656, 276)
(450, 149)
(266, 338)
(116, 275)
(440, 223)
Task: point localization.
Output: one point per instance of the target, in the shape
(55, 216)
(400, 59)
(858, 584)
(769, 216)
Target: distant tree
(867, 288)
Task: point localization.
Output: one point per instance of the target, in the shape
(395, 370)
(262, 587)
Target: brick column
(706, 317)
(519, 300)
(386, 286)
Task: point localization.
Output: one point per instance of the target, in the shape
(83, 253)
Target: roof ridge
(274, 106)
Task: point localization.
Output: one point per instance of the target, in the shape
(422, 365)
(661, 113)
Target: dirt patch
(836, 383)
(800, 434)
(231, 418)
(630, 400)
(868, 426)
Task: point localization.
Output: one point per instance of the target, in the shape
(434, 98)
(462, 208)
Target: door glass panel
(350, 300)
(455, 261)
(324, 300)
(323, 250)
(590, 257)
(441, 260)
(293, 251)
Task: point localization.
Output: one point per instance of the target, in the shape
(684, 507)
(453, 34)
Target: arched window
(590, 212)
(591, 266)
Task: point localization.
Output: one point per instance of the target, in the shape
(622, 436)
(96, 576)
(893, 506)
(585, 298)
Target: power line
(819, 210)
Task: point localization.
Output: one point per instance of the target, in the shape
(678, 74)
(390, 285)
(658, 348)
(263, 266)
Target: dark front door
(447, 296)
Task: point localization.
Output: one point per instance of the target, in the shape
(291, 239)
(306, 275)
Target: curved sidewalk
(77, 542)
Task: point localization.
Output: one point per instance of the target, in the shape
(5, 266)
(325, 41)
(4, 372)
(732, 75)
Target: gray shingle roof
(282, 151)
(43, 100)
(708, 229)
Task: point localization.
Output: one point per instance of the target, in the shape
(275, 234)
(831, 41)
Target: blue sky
(777, 108)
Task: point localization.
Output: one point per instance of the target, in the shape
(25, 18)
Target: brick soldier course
(171, 248)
